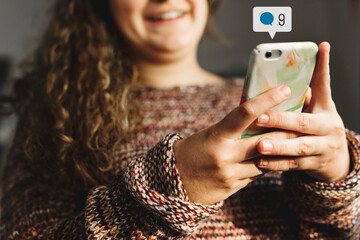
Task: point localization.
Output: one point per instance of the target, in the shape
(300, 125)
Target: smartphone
(274, 64)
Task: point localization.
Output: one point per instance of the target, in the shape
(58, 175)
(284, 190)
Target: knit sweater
(145, 198)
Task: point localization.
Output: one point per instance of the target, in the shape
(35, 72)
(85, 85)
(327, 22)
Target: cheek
(125, 14)
(201, 12)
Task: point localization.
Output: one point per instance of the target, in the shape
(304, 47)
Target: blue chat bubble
(267, 18)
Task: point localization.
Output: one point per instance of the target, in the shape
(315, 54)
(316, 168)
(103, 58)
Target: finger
(289, 163)
(254, 178)
(301, 122)
(240, 173)
(320, 83)
(240, 184)
(247, 169)
(241, 117)
(302, 146)
(246, 149)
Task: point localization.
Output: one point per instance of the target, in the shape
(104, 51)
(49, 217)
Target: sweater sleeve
(145, 200)
(327, 210)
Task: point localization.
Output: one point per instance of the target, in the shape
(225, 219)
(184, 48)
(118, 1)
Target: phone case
(294, 67)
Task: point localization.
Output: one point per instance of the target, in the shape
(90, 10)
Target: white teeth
(168, 15)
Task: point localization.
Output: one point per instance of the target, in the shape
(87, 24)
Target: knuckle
(272, 165)
(333, 145)
(303, 122)
(304, 148)
(276, 166)
(215, 160)
(225, 177)
(275, 118)
(279, 118)
(280, 148)
(293, 164)
(273, 98)
(339, 130)
(322, 164)
(248, 109)
(286, 166)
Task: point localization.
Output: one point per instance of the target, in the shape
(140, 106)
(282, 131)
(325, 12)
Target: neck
(180, 72)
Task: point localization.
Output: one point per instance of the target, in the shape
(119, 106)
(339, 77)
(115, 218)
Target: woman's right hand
(214, 163)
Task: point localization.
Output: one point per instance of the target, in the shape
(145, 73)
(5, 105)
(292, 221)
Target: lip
(149, 17)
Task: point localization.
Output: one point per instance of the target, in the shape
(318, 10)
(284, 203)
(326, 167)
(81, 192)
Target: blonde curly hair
(76, 92)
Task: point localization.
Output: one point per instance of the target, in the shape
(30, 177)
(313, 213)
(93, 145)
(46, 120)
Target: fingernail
(267, 147)
(285, 90)
(263, 162)
(264, 118)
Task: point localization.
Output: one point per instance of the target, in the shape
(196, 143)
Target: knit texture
(145, 198)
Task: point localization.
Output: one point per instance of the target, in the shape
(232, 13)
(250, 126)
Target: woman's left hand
(322, 151)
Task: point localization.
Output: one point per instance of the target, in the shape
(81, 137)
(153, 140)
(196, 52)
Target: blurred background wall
(22, 21)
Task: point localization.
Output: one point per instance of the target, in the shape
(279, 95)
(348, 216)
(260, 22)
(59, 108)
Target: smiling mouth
(167, 16)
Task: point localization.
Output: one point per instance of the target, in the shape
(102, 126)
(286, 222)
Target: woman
(98, 155)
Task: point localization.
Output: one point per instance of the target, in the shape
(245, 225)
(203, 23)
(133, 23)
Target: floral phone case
(289, 63)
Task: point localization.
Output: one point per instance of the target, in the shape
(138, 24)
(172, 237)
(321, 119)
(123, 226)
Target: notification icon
(272, 19)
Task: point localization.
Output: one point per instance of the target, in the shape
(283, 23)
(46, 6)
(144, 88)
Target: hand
(322, 151)
(215, 162)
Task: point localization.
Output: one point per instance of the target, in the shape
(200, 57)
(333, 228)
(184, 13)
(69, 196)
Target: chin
(168, 53)
(170, 48)
(174, 44)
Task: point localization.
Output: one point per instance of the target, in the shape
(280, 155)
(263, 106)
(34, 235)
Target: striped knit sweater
(145, 198)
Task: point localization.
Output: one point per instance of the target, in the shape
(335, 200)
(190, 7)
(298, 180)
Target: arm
(328, 210)
(142, 201)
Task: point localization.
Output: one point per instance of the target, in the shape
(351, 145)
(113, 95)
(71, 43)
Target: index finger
(243, 116)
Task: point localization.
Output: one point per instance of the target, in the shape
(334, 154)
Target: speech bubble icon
(267, 18)
(272, 33)
(272, 19)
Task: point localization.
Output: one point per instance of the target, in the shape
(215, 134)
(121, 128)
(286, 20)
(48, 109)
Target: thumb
(320, 82)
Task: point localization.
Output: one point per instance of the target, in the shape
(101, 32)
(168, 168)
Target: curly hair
(76, 92)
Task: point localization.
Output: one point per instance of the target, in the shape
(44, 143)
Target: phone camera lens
(268, 54)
